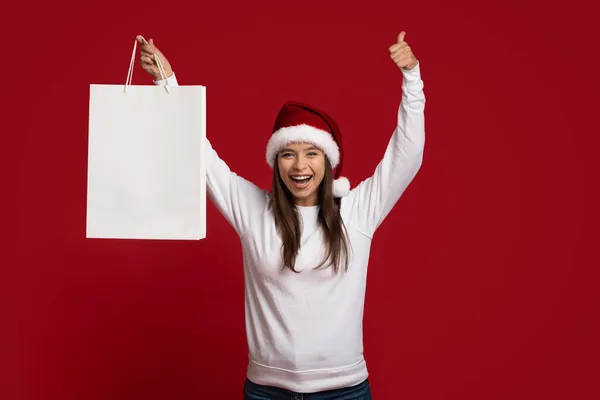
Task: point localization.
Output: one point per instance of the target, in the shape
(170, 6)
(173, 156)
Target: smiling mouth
(301, 182)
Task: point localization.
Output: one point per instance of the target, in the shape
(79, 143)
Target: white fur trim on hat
(341, 186)
(303, 133)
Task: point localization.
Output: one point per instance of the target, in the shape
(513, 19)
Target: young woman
(306, 242)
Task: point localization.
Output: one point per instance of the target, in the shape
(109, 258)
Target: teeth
(300, 178)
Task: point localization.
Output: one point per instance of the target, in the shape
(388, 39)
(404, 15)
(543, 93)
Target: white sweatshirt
(304, 330)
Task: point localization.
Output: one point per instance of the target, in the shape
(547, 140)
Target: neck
(307, 202)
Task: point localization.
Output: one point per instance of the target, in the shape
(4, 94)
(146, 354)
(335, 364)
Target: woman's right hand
(147, 51)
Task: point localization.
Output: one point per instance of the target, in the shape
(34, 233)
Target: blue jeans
(252, 391)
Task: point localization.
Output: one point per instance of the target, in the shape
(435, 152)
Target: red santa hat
(298, 122)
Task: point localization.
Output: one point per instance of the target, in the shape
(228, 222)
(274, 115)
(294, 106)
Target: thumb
(401, 37)
(154, 48)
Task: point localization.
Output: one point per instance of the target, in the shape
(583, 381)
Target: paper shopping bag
(146, 172)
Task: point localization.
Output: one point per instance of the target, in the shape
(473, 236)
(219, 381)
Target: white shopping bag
(146, 172)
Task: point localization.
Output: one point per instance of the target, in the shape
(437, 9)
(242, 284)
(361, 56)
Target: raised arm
(372, 200)
(237, 199)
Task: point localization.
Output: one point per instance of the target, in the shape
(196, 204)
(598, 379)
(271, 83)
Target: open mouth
(301, 181)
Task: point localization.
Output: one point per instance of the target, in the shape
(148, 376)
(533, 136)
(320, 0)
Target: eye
(286, 155)
(313, 154)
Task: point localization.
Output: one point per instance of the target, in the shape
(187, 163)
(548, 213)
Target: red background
(482, 280)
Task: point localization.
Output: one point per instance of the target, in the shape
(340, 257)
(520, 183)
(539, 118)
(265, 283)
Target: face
(301, 168)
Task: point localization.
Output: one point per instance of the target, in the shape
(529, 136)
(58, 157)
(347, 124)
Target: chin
(303, 194)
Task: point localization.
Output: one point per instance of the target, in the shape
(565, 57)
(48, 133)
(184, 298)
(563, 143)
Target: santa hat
(298, 122)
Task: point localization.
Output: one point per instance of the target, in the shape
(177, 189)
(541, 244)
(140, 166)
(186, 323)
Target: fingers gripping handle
(161, 69)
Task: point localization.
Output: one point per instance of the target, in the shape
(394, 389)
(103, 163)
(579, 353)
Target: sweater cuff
(171, 80)
(414, 74)
(412, 78)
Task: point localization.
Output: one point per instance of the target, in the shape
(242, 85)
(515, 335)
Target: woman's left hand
(402, 55)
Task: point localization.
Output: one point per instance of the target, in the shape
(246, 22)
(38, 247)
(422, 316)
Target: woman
(306, 243)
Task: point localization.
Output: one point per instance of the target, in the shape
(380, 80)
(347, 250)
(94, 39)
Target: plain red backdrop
(482, 281)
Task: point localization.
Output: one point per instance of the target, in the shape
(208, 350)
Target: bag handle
(161, 69)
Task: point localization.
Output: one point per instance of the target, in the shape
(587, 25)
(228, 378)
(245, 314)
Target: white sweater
(304, 330)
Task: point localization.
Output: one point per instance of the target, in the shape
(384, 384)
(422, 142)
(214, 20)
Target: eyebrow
(308, 149)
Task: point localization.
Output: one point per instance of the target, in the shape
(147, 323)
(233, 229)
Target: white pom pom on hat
(341, 186)
(299, 122)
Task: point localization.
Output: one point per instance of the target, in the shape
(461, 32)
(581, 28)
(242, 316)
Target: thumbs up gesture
(402, 55)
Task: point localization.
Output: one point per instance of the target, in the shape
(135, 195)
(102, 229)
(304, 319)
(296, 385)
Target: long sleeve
(373, 199)
(237, 199)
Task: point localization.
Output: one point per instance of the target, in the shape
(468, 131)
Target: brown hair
(287, 221)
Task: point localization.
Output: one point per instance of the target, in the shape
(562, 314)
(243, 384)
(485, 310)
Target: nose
(299, 163)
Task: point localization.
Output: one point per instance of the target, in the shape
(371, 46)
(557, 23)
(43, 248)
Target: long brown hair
(287, 221)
